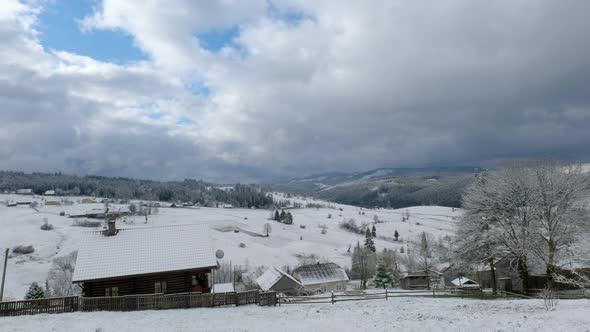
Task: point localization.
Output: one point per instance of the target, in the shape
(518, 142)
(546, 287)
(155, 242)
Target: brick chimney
(111, 228)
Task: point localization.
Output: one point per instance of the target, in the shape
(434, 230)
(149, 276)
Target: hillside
(386, 187)
(286, 245)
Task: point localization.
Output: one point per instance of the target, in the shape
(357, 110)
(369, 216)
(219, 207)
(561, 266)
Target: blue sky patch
(214, 40)
(59, 30)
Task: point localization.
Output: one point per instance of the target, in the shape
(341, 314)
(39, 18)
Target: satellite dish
(219, 254)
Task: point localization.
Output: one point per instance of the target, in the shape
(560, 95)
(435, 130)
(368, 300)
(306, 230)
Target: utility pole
(4, 275)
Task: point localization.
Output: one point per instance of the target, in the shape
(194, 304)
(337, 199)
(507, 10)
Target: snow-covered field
(20, 226)
(404, 314)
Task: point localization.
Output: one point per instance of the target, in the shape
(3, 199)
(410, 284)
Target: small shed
(322, 277)
(24, 191)
(49, 193)
(465, 283)
(223, 288)
(276, 280)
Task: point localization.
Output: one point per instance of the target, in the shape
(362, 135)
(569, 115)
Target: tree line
(239, 195)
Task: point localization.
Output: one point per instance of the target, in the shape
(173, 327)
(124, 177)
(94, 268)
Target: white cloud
(306, 86)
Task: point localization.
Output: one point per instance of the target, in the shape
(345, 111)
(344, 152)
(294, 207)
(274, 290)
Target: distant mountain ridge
(386, 187)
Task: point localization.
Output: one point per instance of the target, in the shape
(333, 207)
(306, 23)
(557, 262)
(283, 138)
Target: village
(142, 255)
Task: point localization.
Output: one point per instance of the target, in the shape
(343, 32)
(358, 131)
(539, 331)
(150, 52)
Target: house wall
(177, 282)
(335, 286)
(414, 282)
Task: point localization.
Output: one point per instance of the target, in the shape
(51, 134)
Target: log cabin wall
(176, 282)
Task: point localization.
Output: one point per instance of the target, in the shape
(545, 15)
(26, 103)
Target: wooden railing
(136, 302)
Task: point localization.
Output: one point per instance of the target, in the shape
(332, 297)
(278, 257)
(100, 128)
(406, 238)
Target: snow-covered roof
(141, 250)
(50, 192)
(320, 273)
(271, 277)
(223, 288)
(464, 282)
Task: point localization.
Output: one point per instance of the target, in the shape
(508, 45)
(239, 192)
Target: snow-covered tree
(35, 292)
(559, 210)
(383, 278)
(363, 264)
(374, 231)
(59, 278)
(396, 235)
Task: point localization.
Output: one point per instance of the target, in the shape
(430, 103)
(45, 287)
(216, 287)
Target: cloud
(302, 87)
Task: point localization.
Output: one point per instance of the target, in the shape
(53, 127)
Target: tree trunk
(523, 273)
(493, 275)
(550, 267)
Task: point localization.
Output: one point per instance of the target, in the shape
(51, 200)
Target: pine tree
(369, 243)
(277, 216)
(383, 278)
(374, 231)
(396, 235)
(288, 218)
(35, 292)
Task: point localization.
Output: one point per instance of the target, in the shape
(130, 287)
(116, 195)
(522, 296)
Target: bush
(35, 292)
(87, 223)
(351, 226)
(23, 250)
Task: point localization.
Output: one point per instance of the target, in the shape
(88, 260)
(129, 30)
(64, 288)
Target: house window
(161, 287)
(338, 286)
(111, 291)
(323, 288)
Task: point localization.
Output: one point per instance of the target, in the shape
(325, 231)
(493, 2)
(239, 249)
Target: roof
(223, 288)
(50, 192)
(320, 273)
(271, 277)
(464, 282)
(143, 250)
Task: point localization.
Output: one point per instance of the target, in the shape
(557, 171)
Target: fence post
(385, 294)
(333, 301)
(433, 294)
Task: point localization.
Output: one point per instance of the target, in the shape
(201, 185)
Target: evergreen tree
(35, 292)
(277, 216)
(282, 216)
(374, 231)
(396, 235)
(369, 243)
(383, 278)
(288, 218)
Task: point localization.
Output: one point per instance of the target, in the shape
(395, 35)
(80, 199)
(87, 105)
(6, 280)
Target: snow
(400, 314)
(20, 225)
(465, 282)
(223, 288)
(142, 250)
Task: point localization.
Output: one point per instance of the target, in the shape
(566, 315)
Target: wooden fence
(136, 302)
(385, 295)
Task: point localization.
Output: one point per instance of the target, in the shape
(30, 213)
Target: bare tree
(423, 252)
(267, 229)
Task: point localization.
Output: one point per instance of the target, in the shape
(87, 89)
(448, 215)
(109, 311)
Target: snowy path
(406, 314)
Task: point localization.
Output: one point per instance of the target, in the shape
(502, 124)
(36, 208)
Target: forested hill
(125, 188)
(386, 187)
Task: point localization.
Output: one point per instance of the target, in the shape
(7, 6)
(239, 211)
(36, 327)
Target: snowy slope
(20, 226)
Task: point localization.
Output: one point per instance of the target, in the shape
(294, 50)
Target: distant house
(228, 206)
(464, 283)
(323, 277)
(422, 279)
(52, 202)
(49, 193)
(165, 259)
(11, 203)
(88, 200)
(24, 191)
(276, 280)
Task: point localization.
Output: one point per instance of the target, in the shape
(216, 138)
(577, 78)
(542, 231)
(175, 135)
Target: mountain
(385, 187)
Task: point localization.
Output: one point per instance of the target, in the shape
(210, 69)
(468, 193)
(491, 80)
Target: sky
(255, 90)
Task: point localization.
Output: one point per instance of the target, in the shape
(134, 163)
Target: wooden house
(423, 279)
(24, 191)
(88, 200)
(145, 260)
(276, 280)
(322, 277)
